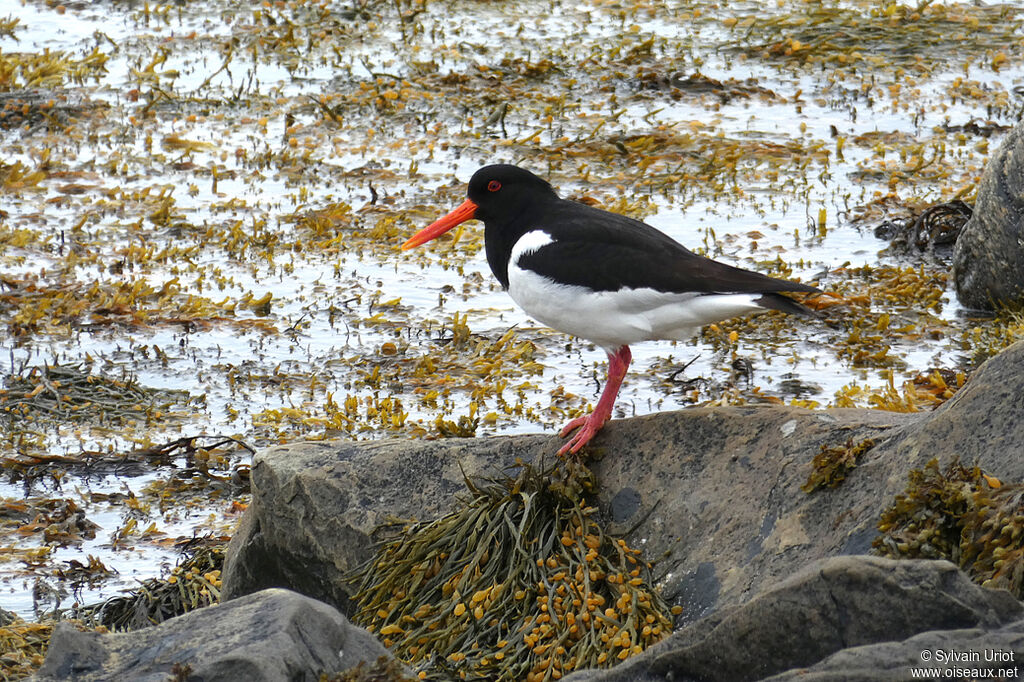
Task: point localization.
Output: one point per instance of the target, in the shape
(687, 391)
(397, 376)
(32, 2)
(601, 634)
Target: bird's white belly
(612, 319)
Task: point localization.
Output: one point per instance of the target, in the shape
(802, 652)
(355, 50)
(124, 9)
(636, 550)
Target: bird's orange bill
(460, 215)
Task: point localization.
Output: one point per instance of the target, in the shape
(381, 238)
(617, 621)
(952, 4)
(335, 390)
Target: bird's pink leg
(618, 363)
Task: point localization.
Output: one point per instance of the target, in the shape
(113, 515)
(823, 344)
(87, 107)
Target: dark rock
(271, 635)
(988, 259)
(829, 606)
(729, 494)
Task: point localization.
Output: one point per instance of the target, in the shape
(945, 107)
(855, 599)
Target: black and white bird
(601, 276)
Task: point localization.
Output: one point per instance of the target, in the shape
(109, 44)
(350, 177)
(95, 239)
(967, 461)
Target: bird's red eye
(493, 186)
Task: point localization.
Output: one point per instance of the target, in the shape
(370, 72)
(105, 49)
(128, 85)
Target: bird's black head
(503, 192)
(502, 196)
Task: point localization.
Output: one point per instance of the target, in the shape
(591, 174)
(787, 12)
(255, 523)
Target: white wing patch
(528, 243)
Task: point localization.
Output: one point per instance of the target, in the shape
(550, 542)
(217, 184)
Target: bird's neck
(500, 235)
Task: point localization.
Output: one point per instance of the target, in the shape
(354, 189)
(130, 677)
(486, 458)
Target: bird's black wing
(606, 251)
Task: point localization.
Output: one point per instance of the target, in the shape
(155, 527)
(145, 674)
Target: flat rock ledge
(773, 581)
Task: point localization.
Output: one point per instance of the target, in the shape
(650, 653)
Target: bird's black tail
(774, 301)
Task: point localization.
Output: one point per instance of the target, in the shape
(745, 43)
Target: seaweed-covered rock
(271, 635)
(712, 495)
(317, 505)
(706, 491)
(988, 259)
(839, 604)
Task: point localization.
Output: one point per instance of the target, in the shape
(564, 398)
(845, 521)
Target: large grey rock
(269, 636)
(318, 504)
(698, 484)
(712, 494)
(726, 511)
(988, 259)
(983, 422)
(828, 607)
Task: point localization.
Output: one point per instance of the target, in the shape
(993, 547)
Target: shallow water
(240, 156)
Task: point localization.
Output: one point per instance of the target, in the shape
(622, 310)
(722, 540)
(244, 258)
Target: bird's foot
(588, 427)
(618, 363)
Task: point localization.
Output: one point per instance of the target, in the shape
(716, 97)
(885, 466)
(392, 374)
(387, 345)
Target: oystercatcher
(601, 276)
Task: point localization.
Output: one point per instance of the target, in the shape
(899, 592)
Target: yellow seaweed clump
(831, 465)
(519, 583)
(925, 521)
(992, 540)
(193, 584)
(24, 645)
(963, 515)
